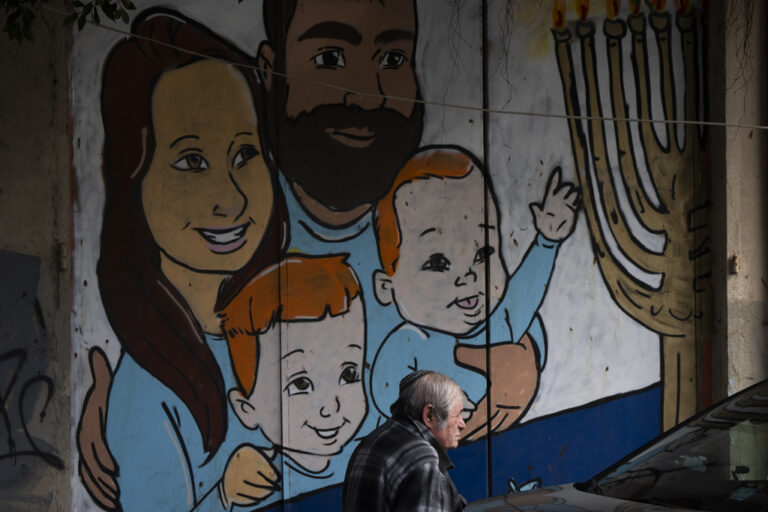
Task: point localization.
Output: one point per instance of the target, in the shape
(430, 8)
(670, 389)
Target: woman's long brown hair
(150, 317)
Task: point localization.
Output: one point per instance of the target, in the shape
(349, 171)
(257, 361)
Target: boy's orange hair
(442, 163)
(299, 288)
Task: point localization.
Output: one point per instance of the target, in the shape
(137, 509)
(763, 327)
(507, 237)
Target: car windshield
(719, 461)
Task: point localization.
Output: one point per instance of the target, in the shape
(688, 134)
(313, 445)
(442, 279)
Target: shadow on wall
(27, 455)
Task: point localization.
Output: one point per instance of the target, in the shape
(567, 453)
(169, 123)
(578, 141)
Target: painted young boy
(296, 337)
(437, 244)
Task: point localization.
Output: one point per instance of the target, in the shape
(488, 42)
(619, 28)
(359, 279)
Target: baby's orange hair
(299, 288)
(441, 163)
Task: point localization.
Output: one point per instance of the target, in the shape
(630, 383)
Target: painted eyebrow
(394, 35)
(182, 138)
(232, 143)
(354, 345)
(487, 226)
(299, 350)
(428, 230)
(296, 374)
(333, 30)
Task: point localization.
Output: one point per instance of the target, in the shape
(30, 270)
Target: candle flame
(558, 14)
(582, 7)
(659, 5)
(612, 8)
(683, 6)
(634, 6)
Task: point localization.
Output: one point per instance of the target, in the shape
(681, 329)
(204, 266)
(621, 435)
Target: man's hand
(513, 377)
(555, 216)
(97, 467)
(248, 478)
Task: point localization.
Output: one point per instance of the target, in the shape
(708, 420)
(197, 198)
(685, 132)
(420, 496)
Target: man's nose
(368, 94)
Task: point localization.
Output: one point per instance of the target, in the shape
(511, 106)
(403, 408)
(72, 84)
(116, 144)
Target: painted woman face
(207, 195)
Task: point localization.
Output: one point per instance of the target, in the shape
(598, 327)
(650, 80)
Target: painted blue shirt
(409, 347)
(157, 444)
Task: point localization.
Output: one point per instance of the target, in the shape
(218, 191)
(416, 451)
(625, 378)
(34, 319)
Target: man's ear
(265, 61)
(428, 416)
(382, 288)
(245, 412)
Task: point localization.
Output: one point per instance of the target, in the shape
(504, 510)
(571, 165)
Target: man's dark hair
(277, 18)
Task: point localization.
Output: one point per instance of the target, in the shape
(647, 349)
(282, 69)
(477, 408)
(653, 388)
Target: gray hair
(430, 388)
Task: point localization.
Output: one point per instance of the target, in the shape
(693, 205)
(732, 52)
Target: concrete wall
(35, 271)
(604, 356)
(739, 200)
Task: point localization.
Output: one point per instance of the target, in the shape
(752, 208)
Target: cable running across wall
(427, 102)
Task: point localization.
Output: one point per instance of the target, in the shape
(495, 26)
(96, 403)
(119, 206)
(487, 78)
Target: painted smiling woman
(191, 205)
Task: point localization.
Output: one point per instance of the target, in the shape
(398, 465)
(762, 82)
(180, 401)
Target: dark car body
(717, 460)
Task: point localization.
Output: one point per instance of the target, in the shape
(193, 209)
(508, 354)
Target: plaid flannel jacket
(400, 467)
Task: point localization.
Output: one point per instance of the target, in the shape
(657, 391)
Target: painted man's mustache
(312, 152)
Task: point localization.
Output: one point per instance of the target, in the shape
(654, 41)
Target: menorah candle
(636, 23)
(586, 32)
(659, 22)
(562, 38)
(562, 42)
(686, 23)
(563, 51)
(563, 54)
(615, 30)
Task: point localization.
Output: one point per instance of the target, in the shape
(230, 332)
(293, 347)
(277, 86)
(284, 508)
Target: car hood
(561, 498)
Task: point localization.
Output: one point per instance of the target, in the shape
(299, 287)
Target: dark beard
(338, 176)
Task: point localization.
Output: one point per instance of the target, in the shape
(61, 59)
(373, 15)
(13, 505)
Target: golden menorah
(678, 305)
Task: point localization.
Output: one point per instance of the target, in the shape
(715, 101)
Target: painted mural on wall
(281, 230)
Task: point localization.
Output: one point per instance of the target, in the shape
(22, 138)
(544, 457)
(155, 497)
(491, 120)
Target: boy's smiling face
(439, 281)
(311, 371)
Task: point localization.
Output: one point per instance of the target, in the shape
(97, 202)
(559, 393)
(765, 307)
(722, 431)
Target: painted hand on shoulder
(98, 469)
(514, 378)
(250, 477)
(555, 216)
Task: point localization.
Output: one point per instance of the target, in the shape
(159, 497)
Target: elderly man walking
(402, 465)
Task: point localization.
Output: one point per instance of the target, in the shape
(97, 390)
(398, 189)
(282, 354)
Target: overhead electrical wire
(427, 102)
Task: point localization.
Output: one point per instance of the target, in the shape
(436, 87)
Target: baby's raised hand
(555, 216)
(249, 477)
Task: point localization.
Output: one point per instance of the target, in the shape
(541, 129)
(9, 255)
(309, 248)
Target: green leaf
(81, 22)
(70, 19)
